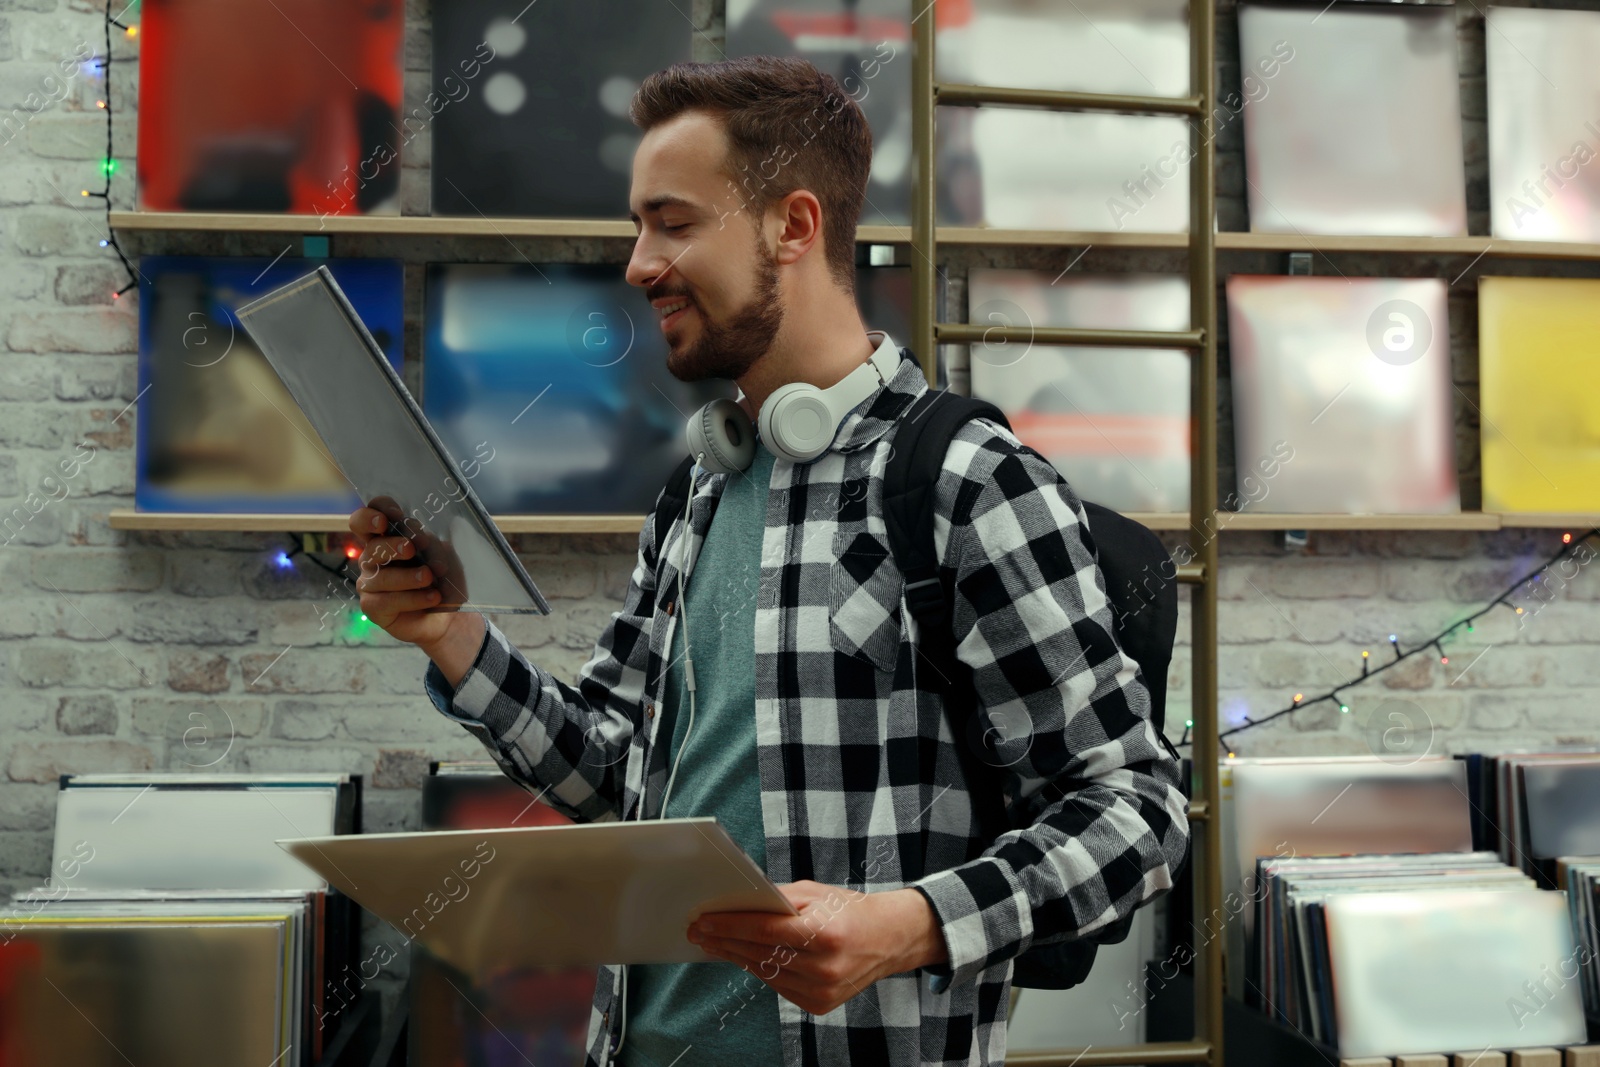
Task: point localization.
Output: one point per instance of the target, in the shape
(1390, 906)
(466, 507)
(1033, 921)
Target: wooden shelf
(1572, 520)
(1439, 246)
(441, 226)
(1248, 520)
(466, 226)
(129, 519)
(1466, 520)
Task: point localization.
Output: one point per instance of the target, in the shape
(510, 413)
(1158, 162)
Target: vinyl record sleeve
(384, 444)
(490, 899)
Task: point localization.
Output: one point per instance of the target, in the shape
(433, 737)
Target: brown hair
(789, 126)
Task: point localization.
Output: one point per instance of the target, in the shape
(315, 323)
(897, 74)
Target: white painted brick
(25, 380)
(1319, 579)
(308, 758)
(98, 571)
(28, 806)
(1557, 712)
(1496, 711)
(203, 728)
(63, 136)
(24, 852)
(211, 621)
(108, 330)
(302, 670)
(410, 720)
(304, 720)
(46, 761)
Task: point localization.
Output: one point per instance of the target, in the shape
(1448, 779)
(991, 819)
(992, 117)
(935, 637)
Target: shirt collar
(871, 418)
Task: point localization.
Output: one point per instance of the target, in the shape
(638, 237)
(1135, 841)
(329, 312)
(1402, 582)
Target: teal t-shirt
(685, 1014)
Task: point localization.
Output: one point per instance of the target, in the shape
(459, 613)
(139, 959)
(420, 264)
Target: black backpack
(1140, 584)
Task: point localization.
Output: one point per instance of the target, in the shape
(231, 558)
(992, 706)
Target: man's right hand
(394, 593)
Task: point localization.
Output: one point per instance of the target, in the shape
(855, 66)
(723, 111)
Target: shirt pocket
(864, 589)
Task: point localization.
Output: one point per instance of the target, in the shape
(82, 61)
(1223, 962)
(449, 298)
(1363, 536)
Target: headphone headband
(797, 422)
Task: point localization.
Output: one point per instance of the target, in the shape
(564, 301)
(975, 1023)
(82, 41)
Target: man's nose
(646, 264)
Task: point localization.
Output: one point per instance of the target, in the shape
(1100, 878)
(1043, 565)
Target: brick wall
(114, 645)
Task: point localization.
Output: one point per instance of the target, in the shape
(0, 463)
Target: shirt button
(649, 711)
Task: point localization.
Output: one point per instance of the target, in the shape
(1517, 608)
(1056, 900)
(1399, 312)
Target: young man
(820, 741)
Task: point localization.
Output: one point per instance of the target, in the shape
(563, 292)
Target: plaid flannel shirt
(859, 777)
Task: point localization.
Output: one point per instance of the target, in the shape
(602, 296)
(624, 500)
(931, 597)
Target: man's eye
(677, 227)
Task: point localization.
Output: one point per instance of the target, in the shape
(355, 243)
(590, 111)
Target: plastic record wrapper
(1342, 396)
(1544, 124)
(1359, 131)
(1451, 969)
(380, 439)
(174, 990)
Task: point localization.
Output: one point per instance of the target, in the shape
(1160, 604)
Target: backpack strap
(920, 444)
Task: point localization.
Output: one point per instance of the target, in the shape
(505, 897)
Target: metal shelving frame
(1200, 340)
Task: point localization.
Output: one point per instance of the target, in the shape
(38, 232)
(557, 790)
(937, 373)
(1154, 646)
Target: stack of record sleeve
(174, 930)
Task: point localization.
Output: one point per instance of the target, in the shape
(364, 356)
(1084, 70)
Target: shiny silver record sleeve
(1544, 123)
(1448, 969)
(380, 439)
(109, 991)
(1342, 395)
(1359, 130)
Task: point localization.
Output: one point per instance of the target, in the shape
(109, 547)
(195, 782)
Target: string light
(109, 165)
(1568, 541)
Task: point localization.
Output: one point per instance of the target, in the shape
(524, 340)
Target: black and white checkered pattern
(860, 782)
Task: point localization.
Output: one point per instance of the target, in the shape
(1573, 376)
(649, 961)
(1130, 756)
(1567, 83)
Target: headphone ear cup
(721, 432)
(797, 422)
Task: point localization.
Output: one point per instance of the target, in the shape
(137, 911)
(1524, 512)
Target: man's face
(698, 247)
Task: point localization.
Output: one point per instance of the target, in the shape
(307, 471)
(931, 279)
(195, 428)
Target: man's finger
(756, 926)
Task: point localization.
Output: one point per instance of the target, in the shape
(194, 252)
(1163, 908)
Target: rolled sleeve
(463, 702)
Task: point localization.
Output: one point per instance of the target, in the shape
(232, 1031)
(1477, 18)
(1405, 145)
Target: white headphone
(797, 422)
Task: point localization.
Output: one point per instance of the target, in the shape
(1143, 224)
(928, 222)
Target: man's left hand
(842, 941)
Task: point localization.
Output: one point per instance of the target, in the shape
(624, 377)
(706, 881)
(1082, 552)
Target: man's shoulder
(984, 465)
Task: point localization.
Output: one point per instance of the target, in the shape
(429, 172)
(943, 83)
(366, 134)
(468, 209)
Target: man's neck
(820, 349)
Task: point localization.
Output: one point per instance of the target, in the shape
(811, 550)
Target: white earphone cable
(688, 660)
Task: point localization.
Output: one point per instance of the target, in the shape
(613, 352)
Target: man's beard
(728, 350)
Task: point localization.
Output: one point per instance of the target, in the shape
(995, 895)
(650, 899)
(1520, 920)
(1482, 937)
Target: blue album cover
(217, 430)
